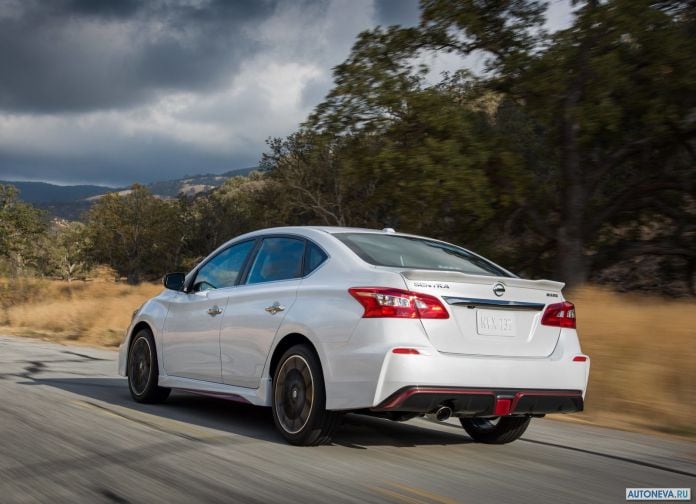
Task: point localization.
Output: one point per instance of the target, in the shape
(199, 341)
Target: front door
(192, 335)
(192, 326)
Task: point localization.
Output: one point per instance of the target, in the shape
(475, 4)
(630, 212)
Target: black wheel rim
(294, 394)
(140, 364)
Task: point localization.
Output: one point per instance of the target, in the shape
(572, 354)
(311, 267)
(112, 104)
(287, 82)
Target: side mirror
(174, 281)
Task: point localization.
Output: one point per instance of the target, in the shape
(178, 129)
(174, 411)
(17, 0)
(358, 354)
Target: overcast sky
(114, 92)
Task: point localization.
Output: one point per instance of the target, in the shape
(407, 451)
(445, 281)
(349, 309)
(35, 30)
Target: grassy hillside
(95, 312)
(194, 184)
(643, 351)
(642, 348)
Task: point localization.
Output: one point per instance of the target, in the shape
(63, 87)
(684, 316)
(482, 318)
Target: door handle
(275, 308)
(215, 310)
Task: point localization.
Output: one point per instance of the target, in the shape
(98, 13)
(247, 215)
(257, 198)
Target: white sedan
(318, 321)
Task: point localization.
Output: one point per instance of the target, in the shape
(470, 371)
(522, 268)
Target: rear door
(256, 309)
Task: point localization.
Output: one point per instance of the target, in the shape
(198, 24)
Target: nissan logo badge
(498, 289)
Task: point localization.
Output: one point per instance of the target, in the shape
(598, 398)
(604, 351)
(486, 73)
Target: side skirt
(258, 397)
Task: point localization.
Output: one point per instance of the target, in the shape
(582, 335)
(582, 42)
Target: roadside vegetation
(643, 353)
(94, 312)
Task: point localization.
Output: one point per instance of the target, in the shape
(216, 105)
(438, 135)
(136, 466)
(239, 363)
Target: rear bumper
(546, 385)
(468, 402)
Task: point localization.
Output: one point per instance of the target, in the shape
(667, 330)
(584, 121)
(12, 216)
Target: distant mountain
(70, 202)
(194, 184)
(41, 192)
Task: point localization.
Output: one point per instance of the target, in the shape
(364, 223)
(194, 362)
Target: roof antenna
(388, 230)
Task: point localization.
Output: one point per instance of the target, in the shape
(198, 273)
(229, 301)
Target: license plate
(495, 323)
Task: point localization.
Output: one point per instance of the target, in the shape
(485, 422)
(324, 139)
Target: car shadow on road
(355, 431)
(361, 432)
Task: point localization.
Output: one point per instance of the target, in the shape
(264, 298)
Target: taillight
(559, 315)
(380, 302)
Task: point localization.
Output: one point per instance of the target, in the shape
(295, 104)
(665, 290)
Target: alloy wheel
(294, 394)
(140, 363)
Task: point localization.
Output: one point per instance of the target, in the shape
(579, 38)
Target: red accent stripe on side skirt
(218, 395)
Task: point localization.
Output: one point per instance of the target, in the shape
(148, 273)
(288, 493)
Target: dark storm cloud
(99, 8)
(397, 12)
(81, 55)
(118, 91)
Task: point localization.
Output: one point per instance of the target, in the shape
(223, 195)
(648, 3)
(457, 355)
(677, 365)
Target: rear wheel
(299, 399)
(143, 371)
(499, 430)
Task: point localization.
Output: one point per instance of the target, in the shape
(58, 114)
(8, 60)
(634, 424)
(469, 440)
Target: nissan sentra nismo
(318, 321)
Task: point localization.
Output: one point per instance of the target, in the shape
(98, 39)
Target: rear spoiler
(459, 277)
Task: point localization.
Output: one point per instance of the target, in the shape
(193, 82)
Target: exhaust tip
(440, 414)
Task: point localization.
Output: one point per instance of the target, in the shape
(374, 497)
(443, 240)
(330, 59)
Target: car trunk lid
(492, 316)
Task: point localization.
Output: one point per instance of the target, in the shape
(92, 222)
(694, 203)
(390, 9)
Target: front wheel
(143, 371)
(299, 399)
(499, 430)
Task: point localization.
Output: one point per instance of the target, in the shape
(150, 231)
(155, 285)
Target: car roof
(332, 230)
(305, 231)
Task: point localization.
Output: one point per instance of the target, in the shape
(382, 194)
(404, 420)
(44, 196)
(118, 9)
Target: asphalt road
(69, 432)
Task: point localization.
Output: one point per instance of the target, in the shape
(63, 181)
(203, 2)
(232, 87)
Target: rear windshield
(417, 253)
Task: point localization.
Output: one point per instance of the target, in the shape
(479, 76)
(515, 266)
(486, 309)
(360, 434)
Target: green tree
(135, 233)
(593, 129)
(307, 174)
(67, 251)
(21, 227)
(240, 205)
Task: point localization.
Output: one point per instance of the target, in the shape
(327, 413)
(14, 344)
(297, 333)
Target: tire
(143, 371)
(490, 431)
(299, 399)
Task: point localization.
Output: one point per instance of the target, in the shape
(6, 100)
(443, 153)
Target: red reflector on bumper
(579, 358)
(406, 351)
(502, 407)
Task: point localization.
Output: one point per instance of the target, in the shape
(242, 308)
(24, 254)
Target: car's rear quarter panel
(331, 319)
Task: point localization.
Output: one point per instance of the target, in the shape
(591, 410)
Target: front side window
(277, 259)
(223, 269)
(417, 253)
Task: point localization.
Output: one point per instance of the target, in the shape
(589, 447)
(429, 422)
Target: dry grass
(643, 349)
(95, 312)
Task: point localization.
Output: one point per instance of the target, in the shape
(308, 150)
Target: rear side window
(417, 253)
(314, 256)
(277, 259)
